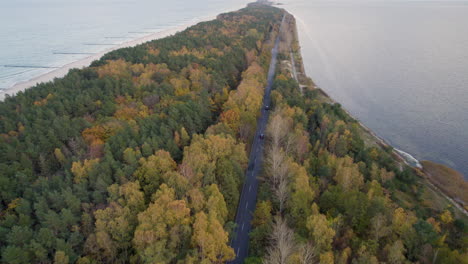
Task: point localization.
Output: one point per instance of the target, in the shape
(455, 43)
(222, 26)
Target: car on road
(267, 107)
(262, 136)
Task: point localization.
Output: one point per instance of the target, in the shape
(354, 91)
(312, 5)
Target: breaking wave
(409, 158)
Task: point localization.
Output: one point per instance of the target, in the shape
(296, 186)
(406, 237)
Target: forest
(140, 157)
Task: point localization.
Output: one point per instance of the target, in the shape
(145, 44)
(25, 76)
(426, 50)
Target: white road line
(242, 226)
(250, 187)
(238, 251)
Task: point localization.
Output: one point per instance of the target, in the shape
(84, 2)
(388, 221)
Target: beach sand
(85, 62)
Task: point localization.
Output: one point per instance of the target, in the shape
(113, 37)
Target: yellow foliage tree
(162, 227)
(231, 118)
(116, 223)
(301, 195)
(200, 158)
(80, 169)
(59, 156)
(152, 169)
(181, 85)
(320, 231)
(327, 258)
(446, 217)
(215, 203)
(115, 68)
(402, 221)
(211, 239)
(348, 175)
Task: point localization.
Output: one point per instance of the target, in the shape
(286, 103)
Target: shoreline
(401, 154)
(398, 154)
(411, 155)
(85, 62)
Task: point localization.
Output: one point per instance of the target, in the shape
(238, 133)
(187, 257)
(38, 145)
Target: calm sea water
(31, 31)
(399, 67)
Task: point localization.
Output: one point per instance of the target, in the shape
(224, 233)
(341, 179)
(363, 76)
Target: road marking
(238, 251)
(242, 226)
(250, 187)
(247, 204)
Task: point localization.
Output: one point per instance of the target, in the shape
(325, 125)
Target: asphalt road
(248, 199)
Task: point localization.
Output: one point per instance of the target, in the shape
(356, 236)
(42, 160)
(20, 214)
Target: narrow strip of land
(248, 199)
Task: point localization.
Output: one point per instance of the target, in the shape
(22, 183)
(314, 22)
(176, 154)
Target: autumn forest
(141, 158)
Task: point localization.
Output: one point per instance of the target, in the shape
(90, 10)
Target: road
(248, 199)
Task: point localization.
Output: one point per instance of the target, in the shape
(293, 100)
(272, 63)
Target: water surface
(32, 32)
(400, 67)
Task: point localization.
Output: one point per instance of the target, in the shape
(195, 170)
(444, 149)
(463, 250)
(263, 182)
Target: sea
(46, 34)
(400, 67)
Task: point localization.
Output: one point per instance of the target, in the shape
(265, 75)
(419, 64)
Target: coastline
(405, 121)
(420, 167)
(85, 62)
(298, 69)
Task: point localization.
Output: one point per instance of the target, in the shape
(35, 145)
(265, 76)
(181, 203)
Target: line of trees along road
(140, 157)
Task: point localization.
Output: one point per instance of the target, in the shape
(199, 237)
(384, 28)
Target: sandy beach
(62, 71)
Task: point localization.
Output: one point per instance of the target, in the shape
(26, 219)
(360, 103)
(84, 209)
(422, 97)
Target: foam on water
(409, 158)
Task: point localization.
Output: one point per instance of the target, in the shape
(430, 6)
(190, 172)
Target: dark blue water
(400, 67)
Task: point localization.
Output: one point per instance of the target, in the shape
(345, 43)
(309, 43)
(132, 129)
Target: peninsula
(209, 146)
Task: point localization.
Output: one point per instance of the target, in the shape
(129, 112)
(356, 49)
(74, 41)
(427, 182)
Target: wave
(409, 158)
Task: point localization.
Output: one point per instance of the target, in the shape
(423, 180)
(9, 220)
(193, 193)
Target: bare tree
(379, 226)
(275, 160)
(282, 192)
(307, 253)
(278, 174)
(278, 128)
(289, 142)
(282, 243)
